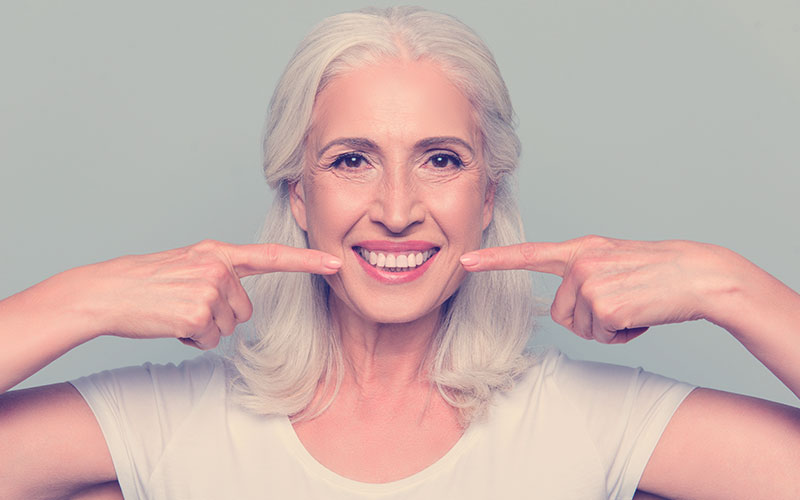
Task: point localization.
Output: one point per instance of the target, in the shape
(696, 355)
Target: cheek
(331, 212)
(460, 214)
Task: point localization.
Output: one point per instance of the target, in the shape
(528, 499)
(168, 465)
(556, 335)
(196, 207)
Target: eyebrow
(363, 143)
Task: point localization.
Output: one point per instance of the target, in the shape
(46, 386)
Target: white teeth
(396, 262)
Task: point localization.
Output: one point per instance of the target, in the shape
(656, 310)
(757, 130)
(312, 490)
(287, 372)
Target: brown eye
(349, 160)
(442, 161)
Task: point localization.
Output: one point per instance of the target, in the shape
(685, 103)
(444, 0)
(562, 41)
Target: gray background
(133, 127)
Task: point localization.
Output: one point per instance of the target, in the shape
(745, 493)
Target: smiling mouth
(395, 262)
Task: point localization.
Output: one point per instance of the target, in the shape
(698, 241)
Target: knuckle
(604, 337)
(202, 247)
(198, 318)
(604, 312)
(217, 272)
(601, 315)
(210, 342)
(590, 292)
(207, 244)
(246, 312)
(272, 253)
(593, 239)
(561, 317)
(209, 294)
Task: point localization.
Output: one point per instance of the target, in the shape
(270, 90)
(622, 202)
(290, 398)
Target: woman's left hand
(613, 290)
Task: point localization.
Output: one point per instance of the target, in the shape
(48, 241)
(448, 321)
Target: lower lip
(395, 278)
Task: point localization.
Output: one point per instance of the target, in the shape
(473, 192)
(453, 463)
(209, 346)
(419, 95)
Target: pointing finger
(543, 257)
(259, 258)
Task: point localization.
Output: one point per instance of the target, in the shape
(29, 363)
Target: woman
(397, 368)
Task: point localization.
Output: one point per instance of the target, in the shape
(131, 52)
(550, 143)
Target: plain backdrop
(134, 127)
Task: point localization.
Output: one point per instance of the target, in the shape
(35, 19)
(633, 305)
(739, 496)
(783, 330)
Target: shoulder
(600, 418)
(595, 393)
(191, 373)
(146, 411)
(155, 391)
(554, 374)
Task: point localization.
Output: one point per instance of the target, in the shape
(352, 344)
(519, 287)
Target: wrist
(745, 299)
(39, 324)
(72, 304)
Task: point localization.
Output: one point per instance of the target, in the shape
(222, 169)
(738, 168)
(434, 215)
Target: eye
(444, 160)
(349, 160)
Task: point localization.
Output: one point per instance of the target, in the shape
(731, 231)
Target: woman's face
(395, 185)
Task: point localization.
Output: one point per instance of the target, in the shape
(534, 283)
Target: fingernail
(470, 259)
(332, 263)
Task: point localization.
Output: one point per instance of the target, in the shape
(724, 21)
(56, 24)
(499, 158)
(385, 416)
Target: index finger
(544, 257)
(259, 258)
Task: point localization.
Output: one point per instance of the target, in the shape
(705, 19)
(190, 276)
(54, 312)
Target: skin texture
(399, 188)
(51, 446)
(386, 423)
(717, 445)
(395, 193)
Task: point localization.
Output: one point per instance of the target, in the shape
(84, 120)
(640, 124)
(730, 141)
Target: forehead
(394, 100)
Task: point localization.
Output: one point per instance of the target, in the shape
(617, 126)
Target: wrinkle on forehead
(388, 114)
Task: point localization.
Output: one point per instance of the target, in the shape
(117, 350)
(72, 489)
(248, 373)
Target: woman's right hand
(191, 293)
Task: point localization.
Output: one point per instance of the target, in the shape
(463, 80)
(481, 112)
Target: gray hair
(290, 346)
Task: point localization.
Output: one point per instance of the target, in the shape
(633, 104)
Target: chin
(388, 308)
(394, 310)
(397, 318)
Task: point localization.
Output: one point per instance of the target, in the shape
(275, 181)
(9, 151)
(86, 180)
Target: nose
(397, 205)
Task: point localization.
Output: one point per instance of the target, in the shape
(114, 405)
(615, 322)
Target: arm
(614, 290)
(717, 445)
(51, 445)
(191, 293)
(40, 324)
(721, 445)
(763, 314)
(727, 446)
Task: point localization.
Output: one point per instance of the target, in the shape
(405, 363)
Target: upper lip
(396, 246)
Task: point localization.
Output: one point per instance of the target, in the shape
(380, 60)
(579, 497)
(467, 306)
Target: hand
(191, 293)
(614, 290)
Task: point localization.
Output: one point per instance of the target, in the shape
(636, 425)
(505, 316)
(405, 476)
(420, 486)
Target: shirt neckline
(296, 447)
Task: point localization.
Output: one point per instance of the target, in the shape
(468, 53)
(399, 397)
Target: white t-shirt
(568, 429)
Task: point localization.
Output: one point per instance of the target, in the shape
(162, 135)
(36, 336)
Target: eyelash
(453, 159)
(344, 157)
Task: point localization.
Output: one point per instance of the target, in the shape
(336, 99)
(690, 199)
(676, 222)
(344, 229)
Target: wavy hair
(291, 347)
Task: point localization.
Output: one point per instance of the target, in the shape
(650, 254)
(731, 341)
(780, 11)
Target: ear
(297, 201)
(488, 204)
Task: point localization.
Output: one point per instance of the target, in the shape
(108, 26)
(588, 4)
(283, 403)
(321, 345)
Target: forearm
(764, 315)
(40, 324)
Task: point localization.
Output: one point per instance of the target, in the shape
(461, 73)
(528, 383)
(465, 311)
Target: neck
(381, 357)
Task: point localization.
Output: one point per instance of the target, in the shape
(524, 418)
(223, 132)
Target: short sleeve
(625, 409)
(140, 407)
